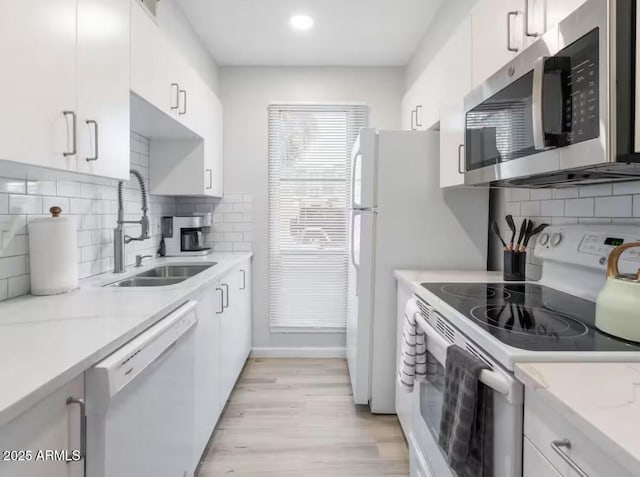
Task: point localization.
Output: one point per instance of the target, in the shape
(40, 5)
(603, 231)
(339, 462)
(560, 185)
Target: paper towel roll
(53, 254)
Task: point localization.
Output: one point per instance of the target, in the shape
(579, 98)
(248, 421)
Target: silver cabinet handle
(95, 136)
(414, 115)
(83, 424)
(74, 140)
(182, 111)
(566, 443)
(175, 104)
(210, 171)
(509, 15)
(460, 163)
(244, 279)
(526, 21)
(418, 109)
(226, 287)
(221, 301)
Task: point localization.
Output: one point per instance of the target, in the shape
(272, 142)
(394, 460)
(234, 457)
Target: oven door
(428, 397)
(548, 109)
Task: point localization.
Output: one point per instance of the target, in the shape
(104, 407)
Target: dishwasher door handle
(83, 424)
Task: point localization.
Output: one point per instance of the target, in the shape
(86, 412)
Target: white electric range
(504, 323)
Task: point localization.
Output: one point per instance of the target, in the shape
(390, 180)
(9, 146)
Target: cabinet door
(38, 50)
(213, 148)
(103, 87)
(51, 425)
(534, 464)
(556, 11)
(151, 64)
(457, 62)
(208, 405)
(493, 32)
(245, 312)
(232, 332)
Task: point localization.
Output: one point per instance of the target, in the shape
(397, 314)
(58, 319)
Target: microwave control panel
(581, 108)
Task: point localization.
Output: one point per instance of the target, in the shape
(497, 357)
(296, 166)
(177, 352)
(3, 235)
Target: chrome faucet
(119, 237)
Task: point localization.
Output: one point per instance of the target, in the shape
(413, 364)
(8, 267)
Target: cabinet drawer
(544, 425)
(534, 464)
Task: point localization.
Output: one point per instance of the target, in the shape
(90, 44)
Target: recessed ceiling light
(301, 22)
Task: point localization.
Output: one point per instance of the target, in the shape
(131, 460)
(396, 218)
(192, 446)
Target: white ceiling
(346, 32)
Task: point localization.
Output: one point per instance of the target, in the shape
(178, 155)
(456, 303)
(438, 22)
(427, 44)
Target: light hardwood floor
(296, 417)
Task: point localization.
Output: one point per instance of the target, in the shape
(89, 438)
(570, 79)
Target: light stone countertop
(47, 341)
(602, 400)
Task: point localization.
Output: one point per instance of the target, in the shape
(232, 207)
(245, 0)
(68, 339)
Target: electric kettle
(618, 306)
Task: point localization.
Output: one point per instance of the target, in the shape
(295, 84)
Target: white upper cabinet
(103, 87)
(186, 151)
(38, 50)
(557, 11)
(497, 32)
(455, 59)
(67, 62)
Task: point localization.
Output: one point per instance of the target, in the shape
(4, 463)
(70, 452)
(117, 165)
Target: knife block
(515, 266)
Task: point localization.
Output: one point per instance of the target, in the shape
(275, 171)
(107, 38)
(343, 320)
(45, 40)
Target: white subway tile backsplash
(624, 188)
(233, 217)
(41, 187)
(18, 286)
(12, 266)
(579, 207)
(541, 194)
(92, 202)
(25, 204)
(552, 208)
(636, 205)
(616, 206)
(529, 209)
(13, 186)
(596, 190)
(566, 193)
(518, 194)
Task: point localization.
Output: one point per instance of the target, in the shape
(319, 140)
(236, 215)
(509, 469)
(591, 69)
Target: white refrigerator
(400, 219)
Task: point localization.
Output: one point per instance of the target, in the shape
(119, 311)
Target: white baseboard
(319, 352)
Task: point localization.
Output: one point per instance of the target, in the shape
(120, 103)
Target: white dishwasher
(140, 403)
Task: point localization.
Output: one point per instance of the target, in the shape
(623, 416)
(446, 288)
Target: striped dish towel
(413, 361)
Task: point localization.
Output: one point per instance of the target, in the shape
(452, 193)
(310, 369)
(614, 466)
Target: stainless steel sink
(162, 276)
(172, 271)
(146, 282)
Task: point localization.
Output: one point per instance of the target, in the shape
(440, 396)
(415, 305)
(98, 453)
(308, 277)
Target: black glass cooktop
(530, 316)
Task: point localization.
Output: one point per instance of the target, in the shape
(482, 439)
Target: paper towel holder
(55, 211)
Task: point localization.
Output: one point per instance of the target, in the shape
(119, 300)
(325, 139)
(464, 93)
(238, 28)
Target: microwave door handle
(539, 142)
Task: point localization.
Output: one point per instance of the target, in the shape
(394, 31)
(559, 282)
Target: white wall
(246, 92)
(176, 26)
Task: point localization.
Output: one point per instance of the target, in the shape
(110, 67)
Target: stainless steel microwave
(565, 111)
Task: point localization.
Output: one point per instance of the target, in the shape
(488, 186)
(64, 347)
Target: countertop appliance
(617, 309)
(400, 218)
(140, 403)
(562, 112)
(506, 323)
(184, 235)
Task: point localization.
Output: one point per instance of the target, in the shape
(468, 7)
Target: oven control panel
(587, 245)
(602, 245)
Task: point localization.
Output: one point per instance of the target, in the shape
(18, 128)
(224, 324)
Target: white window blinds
(309, 167)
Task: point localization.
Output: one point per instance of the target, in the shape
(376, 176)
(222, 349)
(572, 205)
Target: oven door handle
(495, 381)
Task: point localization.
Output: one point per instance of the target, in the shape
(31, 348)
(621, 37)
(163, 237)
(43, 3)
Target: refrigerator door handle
(352, 244)
(357, 155)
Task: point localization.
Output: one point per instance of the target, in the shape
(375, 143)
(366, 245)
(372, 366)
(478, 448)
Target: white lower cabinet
(36, 443)
(223, 343)
(208, 405)
(235, 326)
(534, 463)
(563, 447)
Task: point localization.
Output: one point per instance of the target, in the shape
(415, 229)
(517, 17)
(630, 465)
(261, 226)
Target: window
(309, 168)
